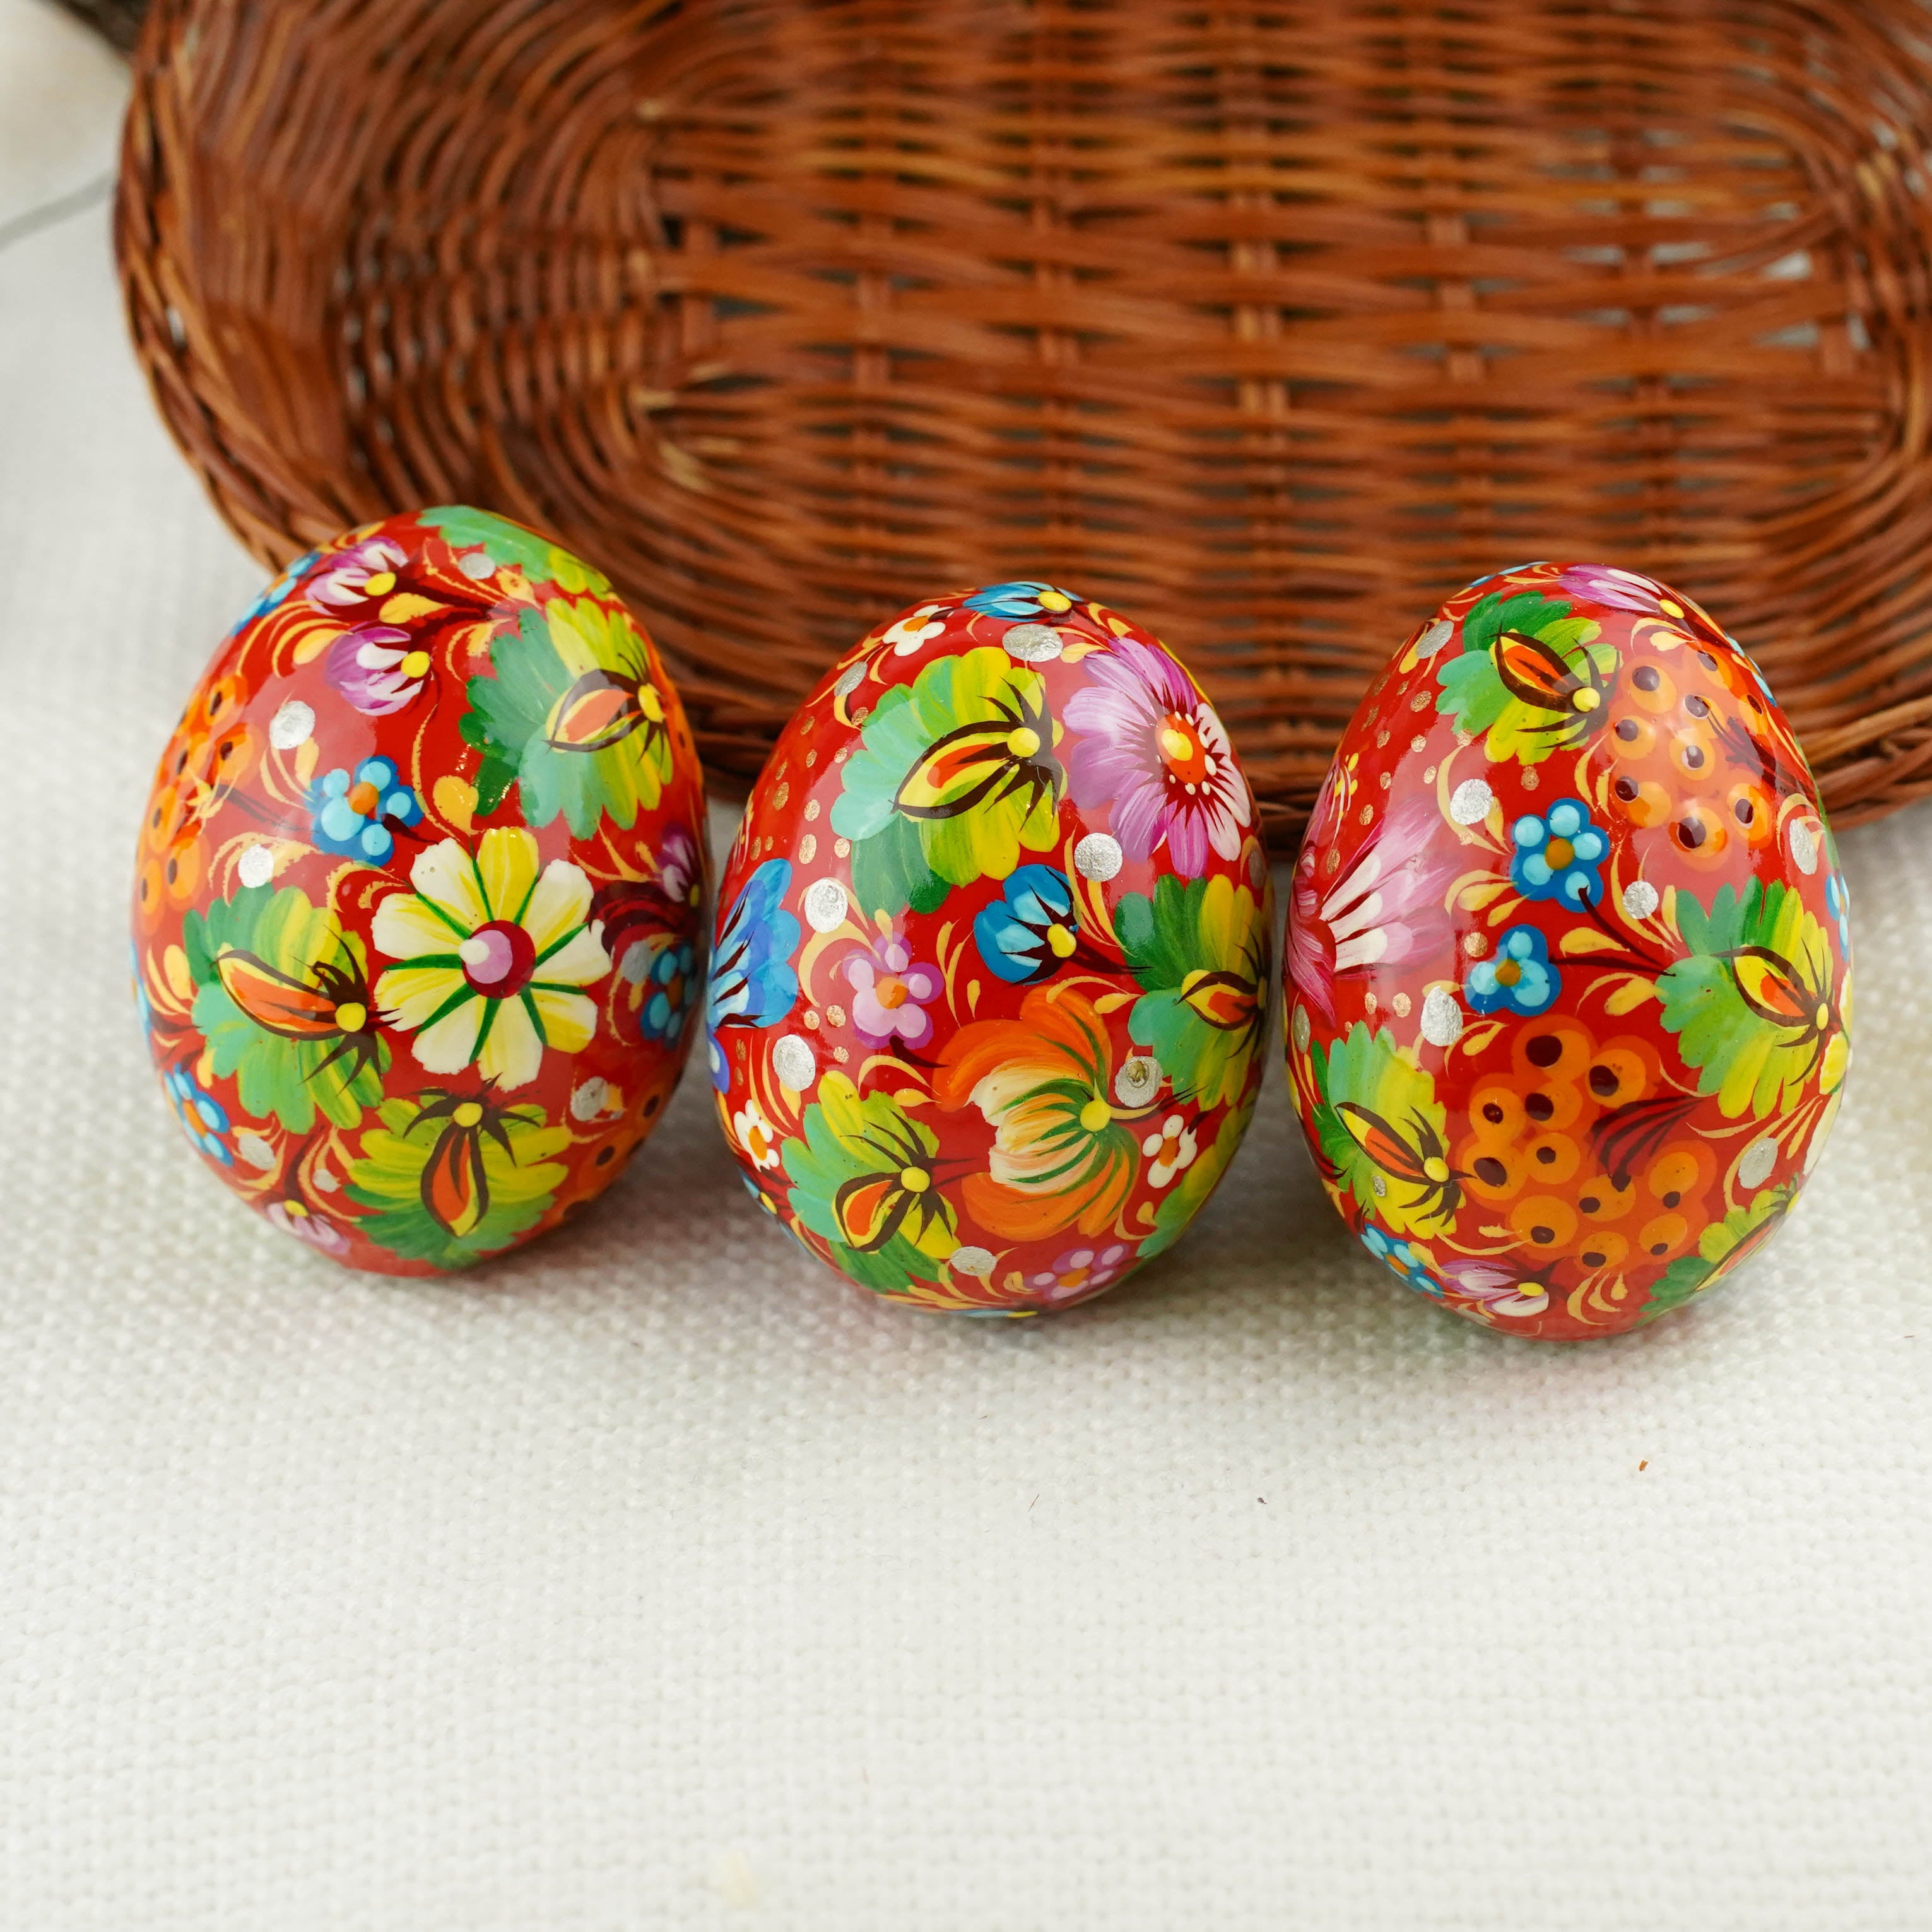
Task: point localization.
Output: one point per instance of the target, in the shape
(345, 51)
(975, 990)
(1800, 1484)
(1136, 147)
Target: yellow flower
(495, 953)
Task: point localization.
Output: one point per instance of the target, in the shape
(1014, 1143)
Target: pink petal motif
(1496, 1285)
(1386, 907)
(344, 579)
(364, 664)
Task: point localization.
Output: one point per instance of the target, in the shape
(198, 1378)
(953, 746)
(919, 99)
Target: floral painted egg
(992, 957)
(1569, 962)
(419, 909)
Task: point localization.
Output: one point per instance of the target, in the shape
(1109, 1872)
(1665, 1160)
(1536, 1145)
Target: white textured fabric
(654, 1578)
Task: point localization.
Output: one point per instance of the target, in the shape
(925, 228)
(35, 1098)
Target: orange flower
(1060, 1154)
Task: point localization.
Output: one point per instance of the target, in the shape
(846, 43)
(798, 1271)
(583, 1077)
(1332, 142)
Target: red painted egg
(1568, 970)
(419, 916)
(992, 956)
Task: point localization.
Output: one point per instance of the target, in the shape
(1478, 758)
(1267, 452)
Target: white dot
(1138, 1079)
(1302, 1029)
(635, 968)
(293, 724)
(1098, 856)
(256, 866)
(255, 1151)
(1033, 644)
(851, 678)
(1804, 846)
(590, 1100)
(1760, 1157)
(324, 1180)
(825, 904)
(1640, 898)
(1469, 803)
(476, 563)
(1442, 1017)
(795, 1063)
(972, 1261)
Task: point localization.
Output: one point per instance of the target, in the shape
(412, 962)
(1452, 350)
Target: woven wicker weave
(1267, 324)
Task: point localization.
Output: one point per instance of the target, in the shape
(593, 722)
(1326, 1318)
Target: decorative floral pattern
(1558, 854)
(1520, 977)
(1151, 754)
(979, 1041)
(1569, 974)
(359, 813)
(373, 952)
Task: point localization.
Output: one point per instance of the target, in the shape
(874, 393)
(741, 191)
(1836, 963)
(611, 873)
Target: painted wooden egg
(419, 914)
(1568, 969)
(992, 956)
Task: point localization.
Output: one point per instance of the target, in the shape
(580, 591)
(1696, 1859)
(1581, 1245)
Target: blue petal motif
(752, 981)
(337, 826)
(1021, 599)
(1558, 854)
(1530, 987)
(1014, 932)
(1401, 1257)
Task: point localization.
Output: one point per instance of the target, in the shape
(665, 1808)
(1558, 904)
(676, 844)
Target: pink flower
(1387, 907)
(293, 1218)
(364, 570)
(1496, 1287)
(680, 875)
(377, 668)
(886, 989)
(1152, 750)
(1079, 1271)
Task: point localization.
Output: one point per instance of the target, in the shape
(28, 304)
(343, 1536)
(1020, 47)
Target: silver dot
(1380, 1185)
(1302, 1029)
(1138, 1080)
(825, 904)
(1469, 803)
(1760, 1157)
(1033, 644)
(255, 1151)
(590, 1100)
(635, 968)
(293, 725)
(256, 866)
(972, 1261)
(477, 564)
(1640, 898)
(851, 678)
(1432, 640)
(1098, 856)
(1442, 1017)
(1805, 846)
(795, 1063)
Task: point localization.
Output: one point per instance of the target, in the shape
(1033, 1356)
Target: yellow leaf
(174, 969)
(406, 604)
(1486, 891)
(1476, 1038)
(308, 755)
(455, 801)
(1582, 939)
(1109, 1003)
(1631, 995)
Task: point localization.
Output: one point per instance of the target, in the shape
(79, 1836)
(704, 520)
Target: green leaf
(1753, 1064)
(511, 714)
(275, 1075)
(387, 1176)
(539, 559)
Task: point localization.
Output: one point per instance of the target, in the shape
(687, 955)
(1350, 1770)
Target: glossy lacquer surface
(992, 957)
(1568, 972)
(419, 916)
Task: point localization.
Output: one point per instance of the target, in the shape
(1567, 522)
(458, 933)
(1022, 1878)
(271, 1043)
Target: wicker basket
(1269, 324)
